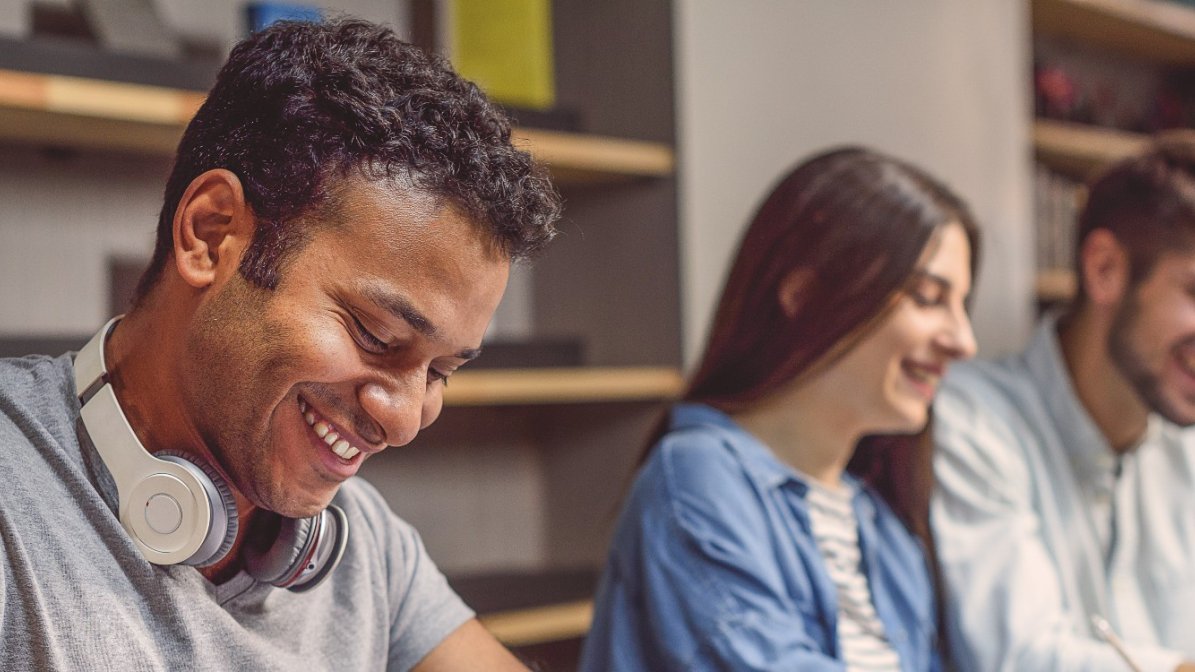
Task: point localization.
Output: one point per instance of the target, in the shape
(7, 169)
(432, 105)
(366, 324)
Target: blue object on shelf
(258, 15)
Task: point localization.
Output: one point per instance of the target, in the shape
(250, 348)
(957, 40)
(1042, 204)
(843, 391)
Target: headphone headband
(164, 505)
(90, 369)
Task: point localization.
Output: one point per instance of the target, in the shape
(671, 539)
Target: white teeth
(345, 450)
(323, 430)
(919, 374)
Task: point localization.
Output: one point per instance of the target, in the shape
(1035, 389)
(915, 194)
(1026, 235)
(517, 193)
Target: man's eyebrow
(401, 308)
(398, 306)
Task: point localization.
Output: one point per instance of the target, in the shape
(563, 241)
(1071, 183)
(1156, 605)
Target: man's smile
(336, 439)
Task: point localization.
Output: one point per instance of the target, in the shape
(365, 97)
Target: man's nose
(401, 406)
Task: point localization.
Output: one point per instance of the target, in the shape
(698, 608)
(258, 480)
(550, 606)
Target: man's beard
(1132, 366)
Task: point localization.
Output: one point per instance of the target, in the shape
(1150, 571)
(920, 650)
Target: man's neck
(141, 357)
(1107, 396)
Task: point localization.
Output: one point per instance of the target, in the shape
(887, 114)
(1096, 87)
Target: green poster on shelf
(505, 46)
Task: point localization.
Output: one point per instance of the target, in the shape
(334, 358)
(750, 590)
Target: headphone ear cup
(225, 523)
(272, 563)
(303, 552)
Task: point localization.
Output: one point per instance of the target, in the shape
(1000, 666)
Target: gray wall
(61, 217)
(761, 84)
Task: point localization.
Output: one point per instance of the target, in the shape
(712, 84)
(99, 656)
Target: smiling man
(336, 234)
(1066, 474)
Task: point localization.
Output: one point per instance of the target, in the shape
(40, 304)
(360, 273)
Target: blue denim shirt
(714, 566)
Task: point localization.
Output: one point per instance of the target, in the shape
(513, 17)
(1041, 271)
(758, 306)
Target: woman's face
(886, 382)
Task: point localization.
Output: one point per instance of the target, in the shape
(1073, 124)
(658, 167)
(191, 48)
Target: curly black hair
(299, 103)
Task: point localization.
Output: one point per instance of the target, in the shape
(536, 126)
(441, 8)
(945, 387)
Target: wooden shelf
(97, 114)
(575, 158)
(1078, 150)
(1055, 285)
(1155, 30)
(537, 625)
(562, 386)
(93, 114)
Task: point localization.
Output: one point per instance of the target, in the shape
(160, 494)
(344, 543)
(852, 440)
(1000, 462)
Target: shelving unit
(97, 114)
(1157, 31)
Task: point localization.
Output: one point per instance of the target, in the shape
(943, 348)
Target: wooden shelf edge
(1079, 150)
(98, 114)
(93, 114)
(1150, 29)
(60, 94)
(1055, 285)
(562, 385)
(539, 625)
(596, 157)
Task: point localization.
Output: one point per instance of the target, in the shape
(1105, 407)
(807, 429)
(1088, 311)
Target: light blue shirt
(714, 566)
(1035, 532)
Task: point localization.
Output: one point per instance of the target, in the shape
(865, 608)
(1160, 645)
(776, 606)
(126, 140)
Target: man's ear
(1104, 268)
(212, 227)
(791, 292)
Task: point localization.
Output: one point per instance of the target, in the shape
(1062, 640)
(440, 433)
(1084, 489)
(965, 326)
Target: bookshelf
(1155, 31)
(116, 116)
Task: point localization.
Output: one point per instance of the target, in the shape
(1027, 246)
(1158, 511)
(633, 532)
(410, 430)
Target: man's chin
(1183, 419)
(1181, 413)
(295, 507)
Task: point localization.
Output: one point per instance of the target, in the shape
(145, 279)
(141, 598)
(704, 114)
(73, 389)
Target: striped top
(861, 638)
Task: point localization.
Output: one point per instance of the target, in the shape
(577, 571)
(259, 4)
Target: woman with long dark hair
(744, 543)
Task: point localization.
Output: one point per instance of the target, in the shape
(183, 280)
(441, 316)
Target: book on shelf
(1056, 201)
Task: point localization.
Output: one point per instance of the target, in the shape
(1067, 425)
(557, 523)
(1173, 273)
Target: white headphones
(179, 511)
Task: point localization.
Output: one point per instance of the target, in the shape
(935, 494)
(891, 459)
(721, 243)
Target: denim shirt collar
(765, 469)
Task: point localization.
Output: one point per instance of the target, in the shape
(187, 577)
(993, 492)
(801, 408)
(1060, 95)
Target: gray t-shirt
(75, 594)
